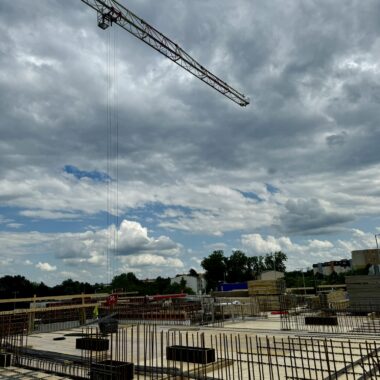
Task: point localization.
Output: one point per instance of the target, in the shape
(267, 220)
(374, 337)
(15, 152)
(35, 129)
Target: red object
(279, 312)
(111, 300)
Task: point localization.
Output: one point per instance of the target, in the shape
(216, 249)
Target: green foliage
(128, 282)
(16, 286)
(19, 286)
(239, 267)
(297, 279)
(215, 267)
(275, 261)
(73, 287)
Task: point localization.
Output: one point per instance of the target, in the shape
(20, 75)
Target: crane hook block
(105, 19)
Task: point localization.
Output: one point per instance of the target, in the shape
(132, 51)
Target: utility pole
(376, 266)
(303, 280)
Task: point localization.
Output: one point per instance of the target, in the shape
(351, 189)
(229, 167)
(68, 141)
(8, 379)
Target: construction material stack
(268, 293)
(363, 292)
(337, 300)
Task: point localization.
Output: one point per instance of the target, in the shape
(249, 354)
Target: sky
(114, 159)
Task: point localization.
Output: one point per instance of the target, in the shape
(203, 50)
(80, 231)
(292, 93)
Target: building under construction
(178, 337)
(266, 335)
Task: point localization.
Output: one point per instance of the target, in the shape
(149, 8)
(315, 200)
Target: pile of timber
(338, 300)
(268, 293)
(266, 287)
(363, 292)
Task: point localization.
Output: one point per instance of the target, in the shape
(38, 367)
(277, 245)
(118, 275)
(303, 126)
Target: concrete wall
(271, 275)
(196, 284)
(363, 291)
(363, 257)
(340, 266)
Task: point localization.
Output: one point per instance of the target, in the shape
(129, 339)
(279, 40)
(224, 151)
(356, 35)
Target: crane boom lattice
(111, 12)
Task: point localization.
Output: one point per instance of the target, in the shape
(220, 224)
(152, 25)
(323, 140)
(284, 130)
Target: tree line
(299, 279)
(20, 287)
(236, 268)
(239, 267)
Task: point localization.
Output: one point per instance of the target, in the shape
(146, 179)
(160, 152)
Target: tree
(41, 289)
(215, 267)
(275, 261)
(193, 272)
(127, 281)
(237, 267)
(255, 266)
(72, 287)
(15, 286)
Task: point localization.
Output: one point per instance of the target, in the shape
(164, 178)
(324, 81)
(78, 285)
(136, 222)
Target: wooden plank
(54, 298)
(43, 309)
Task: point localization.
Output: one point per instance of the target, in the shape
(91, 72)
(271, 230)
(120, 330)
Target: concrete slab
(235, 344)
(26, 374)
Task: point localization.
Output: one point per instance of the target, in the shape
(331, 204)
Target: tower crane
(111, 12)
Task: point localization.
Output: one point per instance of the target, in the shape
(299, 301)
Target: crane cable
(112, 138)
(116, 119)
(108, 159)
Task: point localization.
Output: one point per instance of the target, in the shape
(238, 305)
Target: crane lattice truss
(111, 12)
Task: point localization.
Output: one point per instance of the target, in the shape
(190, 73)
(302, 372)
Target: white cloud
(46, 267)
(134, 239)
(4, 220)
(183, 146)
(49, 214)
(306, 252)
(6, 261)
(258, 245)
(318, 244)
(79, 250)
(144, 260)
(14, 225)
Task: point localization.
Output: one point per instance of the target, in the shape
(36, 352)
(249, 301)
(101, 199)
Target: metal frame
(110, 11)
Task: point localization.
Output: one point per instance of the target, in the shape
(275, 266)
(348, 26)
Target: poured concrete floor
(270, 327)
(26, 374)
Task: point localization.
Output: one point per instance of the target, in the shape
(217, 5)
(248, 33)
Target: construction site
(263, 332)
(267, 334)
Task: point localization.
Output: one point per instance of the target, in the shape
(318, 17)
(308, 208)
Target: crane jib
(111, 12)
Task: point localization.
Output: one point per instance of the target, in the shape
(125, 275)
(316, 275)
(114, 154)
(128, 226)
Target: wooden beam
(54, 298)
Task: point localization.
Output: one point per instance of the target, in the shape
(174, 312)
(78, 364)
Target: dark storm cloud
(308, 216)
(301, 50)
(310, 68)
(336, 140)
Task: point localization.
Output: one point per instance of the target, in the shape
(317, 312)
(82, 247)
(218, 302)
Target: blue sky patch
(272, 189)
(79, 174)
(250, 195)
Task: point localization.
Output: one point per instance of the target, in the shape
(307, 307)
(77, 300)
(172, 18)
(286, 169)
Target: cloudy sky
(296, 170)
